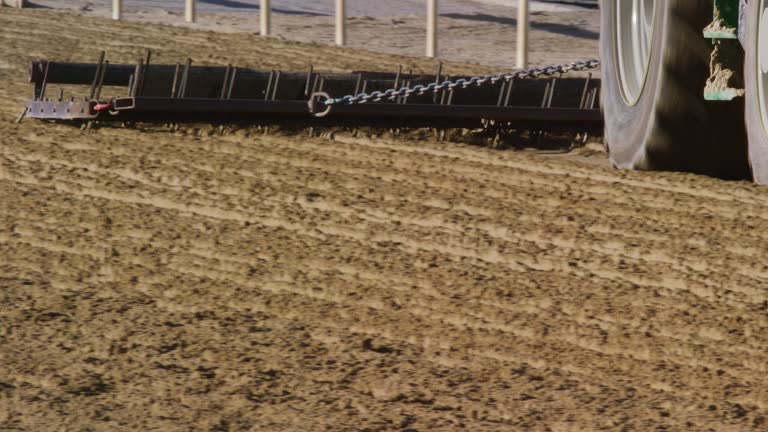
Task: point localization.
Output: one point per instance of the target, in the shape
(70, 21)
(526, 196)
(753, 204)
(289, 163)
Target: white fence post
(14, 3)
(190, 12)
(341, 23)
(431, 28)
(117, 9)
(523, 24)
(264, 15)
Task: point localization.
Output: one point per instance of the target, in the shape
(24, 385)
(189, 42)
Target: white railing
(265, 17)
(523, 25)
(341, 23)
(14, 3)
(265, 12)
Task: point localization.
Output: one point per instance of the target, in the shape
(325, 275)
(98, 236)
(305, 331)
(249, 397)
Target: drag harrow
(536, 100)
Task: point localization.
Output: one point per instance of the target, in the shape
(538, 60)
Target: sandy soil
(164, 281)
(471, 32)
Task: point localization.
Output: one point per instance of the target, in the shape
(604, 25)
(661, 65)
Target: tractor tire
(669, 126)
(756, 131)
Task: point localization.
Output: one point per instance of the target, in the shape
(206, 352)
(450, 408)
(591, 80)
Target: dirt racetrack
(177, 281)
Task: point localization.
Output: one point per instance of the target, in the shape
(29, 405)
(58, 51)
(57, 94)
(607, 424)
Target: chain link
(421, 89)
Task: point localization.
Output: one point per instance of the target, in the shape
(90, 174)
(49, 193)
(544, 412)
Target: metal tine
(587, 82)
(437, 80)
(546, 96)
(61, 95)
(175, 85)
(232, 82)
(145, 71)
(450, 96)
(364, 87)
(410, 81)
(590, 103)
(96, 92)
(501, 93)
(442, 94)
(551, 92)
(397, 77)
(309, 80)
(225, 84)
(315, 82)
(182, 90)
(537, 134)
(269, 85)
(21, 116)
(311, 130)
(103, 74)
(131, 79)
(224, 87)
(276, 84)
(510, 87)
(322, 84)
(137, 78)
(404, 99)
(358, 83)
(97, 74)
(45, 81)
(439, 72)
(594, 97)
(394, 87)
(185, 78)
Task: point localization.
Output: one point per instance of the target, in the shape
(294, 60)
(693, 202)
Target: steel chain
(421, 89)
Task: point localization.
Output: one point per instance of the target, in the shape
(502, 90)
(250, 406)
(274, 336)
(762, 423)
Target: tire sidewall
(627, 125)
(756, 133)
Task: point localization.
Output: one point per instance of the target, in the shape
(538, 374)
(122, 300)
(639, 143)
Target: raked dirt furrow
(236, 176)
(517, 197)
(671, 203)
(496, 252)
(288, 216)
(561, 245)
(388, 330)
(488, 167)
(495, 245)
(336, 304)
(478, 311)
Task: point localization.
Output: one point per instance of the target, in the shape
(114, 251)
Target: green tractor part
(685, 85)
(726, 80)
(726, 21)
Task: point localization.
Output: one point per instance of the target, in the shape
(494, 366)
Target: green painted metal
(721, 34)
(725, 22)
(722, 95)
(725, 25)
(728, 10)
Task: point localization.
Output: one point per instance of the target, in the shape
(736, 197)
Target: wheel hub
(633, 25)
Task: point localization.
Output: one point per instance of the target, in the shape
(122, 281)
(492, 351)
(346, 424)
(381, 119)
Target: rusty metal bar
(97, 74)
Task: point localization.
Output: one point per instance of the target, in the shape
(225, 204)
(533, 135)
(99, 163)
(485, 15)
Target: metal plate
(61, 110)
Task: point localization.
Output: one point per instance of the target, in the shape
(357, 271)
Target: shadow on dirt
(234, 4)
(556, 28)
